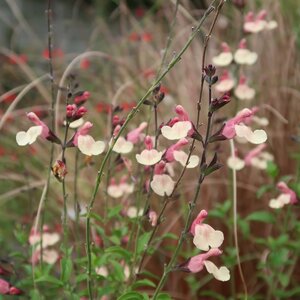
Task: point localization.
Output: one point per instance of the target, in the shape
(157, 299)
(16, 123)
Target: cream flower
(244, 92)
(280, 201)
(133, 212)
(149, 157)
(245, 57)
(255, 137)
(28, 137)
(235, 163)
(221, 273)
(88, 146)
(205, 237)
(162, 185)
(177, 131)
(182, 157)
(122, 146)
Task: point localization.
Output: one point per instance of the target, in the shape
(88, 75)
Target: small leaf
(131, 296)
(263, 189)
(163, 296)
(142, 242)
(143, 282)
(118, 251)
(67, 268)
(261, 216)
(272, 169)
(50, 279)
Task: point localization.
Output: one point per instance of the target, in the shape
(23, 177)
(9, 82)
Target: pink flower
(4, 287)
(229, 129)
(199, 219)
(162, 184)
(152, 218)
(283, 188)
(196, 263)
(134, 135)
(82, 98)
(170, 151)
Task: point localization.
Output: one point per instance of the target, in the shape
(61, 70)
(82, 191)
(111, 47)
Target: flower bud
(59, 170)
(80, 112)
(217, 103)
(239, 3)
(81, 98)
(210, 70)
(71, 111)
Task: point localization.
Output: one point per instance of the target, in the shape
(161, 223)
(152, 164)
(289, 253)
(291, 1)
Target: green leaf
(263, 189)
(272, 169)
(143, 282)
(66, 267)
(118, 251)
(142, 242)
(261, 216)
(131, 296)
(115, 211)
(50, 279)
(163, 296)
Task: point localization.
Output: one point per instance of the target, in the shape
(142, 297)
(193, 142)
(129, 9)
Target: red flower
(147, 37)
(126, 106)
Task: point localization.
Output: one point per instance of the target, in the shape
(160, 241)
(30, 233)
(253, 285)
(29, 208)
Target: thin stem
(235, 222)
(130, 116)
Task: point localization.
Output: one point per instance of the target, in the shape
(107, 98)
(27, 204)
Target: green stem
(130, 116)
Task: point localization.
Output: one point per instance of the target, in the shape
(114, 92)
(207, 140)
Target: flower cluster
(206, 239)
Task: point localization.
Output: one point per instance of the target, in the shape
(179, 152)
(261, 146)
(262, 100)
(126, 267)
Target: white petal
(260, 121)
(102, 271)
(255, 137)
(244, 92)
(225, 85)
(178, 131)
(50, 256)
(88, 146)
(77, 123)
(235, 163)
(259, 163)
(132, 212)
(127, 188)
(149, 157)
(162, 184)
(28, 137)
(223, 59)
(245, 56)
(221, 274)
(50, 239)
(115, 191)
(271, 25)
(182, 157)
(122, 146)
(205, 237)
(280, 201)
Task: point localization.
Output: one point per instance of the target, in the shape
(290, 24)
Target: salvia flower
(122, 146)
(280, 201)
(235, 163)
(206, 237)
(28, 137)
(81, 98)
(179, 127)
(221, 274)
(254, 24)
(283, 188)
(149, 156)
(162, 185)
(243, 91)
(152, 215)
(7, 289)
(224, 58)
(226, 83)
(86, 143)
(257, 136)
(244, 56)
